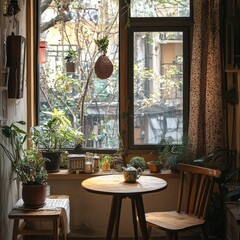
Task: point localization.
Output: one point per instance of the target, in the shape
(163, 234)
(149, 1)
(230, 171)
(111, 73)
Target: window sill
(65, 175)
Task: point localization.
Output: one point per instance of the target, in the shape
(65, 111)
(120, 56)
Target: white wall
(10, 190)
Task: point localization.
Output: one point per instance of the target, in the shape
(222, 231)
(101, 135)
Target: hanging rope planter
(103, 66)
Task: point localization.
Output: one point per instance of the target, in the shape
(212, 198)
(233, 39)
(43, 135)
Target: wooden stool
(31, 216)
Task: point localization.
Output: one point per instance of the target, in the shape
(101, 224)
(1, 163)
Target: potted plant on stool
(27, 164)
(53, 136)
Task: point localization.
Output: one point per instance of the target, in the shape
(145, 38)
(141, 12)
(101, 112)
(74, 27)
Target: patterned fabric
(206, 116)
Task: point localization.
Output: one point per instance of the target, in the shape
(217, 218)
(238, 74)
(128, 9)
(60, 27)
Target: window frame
(138, 24)
(186, 74)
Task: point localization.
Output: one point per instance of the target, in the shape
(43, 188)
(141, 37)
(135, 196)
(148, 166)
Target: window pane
(156, 8)
(158, 87)
(91, 103)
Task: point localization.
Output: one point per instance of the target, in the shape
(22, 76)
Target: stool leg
(55, 228)
(62, 228)
(15, 229)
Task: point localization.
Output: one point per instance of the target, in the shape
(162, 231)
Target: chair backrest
(195, 190)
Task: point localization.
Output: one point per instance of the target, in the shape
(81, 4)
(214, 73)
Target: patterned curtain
(206, 116)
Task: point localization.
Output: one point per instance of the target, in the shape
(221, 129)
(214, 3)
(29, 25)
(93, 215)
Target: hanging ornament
(103, 66)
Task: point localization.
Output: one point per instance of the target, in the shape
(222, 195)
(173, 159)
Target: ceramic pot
(154, 166)
(34, 196)
(52, 164)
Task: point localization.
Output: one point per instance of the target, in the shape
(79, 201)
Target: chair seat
(173, 220)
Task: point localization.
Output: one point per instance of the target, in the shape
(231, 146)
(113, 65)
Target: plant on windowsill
(138, 162)
(105, 162)
(155, 166)
(55, 135)
(27, 163)
(71, 59)
(171, 154)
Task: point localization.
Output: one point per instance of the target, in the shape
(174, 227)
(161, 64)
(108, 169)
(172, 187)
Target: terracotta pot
(34, 196)
(106, 167)
(70, 67)
(155, 167)
(52, 165)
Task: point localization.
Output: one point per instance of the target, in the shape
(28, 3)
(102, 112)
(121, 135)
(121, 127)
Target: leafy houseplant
(174, 154)
(26, 163)
(138, 162)
(54, 135)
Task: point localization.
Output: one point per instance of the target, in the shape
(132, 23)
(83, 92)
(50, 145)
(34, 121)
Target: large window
(155, 72)
(71, 27)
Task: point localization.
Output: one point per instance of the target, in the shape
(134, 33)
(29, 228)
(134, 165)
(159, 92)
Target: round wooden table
(114, 185)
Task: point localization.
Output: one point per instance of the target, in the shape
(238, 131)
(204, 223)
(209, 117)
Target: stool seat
(29, 216)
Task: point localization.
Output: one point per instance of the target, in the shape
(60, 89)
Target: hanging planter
(103, 66)
(70, 59)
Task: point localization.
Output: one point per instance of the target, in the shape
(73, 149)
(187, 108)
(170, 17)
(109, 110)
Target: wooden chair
(195, 190)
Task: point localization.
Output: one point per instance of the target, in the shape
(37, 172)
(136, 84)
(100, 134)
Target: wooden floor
(187, 235)
(88, 238)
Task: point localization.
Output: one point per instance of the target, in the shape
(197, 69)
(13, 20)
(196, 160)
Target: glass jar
(89, 163)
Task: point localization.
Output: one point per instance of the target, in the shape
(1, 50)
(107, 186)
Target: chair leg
(175, 235)
(204, 231)
(149, 227)
(171, 235)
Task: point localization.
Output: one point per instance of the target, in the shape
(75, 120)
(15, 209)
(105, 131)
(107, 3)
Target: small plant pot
(106, 167)
(34, 196)
(154, 166)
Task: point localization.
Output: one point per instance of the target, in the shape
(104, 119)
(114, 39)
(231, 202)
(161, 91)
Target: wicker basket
(76, 163)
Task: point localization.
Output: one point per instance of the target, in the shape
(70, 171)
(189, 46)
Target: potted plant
(55, 135)
(138, 162)
(174, 154)
(105, 162)
(71, 58)
(27, 164)
(155, 166)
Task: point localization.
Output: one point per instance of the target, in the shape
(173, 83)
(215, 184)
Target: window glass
(158, 87)
(90, 102)
(160, 8)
